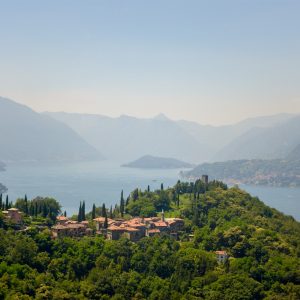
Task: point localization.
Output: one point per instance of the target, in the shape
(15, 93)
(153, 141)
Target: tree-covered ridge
(274, 172)
(154, 162)
(264, 248)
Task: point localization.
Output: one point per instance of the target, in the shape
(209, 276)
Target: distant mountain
(30, 136)
(125, 138)
(152, 162)
(264, 143)
(259, 172)
(218, 137)
(2, 166)
(294, 154)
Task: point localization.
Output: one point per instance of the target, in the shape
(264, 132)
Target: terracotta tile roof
(115, 228)
(62, 218)
(221, 252)
(102, 220)
(131, 229)
(59, 227)
(160, 224)
(156, 230)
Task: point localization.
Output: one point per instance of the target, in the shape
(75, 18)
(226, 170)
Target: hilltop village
(189, 241)
(113, 229)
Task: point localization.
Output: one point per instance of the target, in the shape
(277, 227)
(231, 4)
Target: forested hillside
(274, 172)
(263, 244)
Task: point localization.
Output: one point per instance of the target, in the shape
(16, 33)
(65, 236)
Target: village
(113, 229)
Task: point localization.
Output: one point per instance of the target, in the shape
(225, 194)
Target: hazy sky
(210, 61)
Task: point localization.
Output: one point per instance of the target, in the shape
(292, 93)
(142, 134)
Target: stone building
(13, 215)
(222, 256)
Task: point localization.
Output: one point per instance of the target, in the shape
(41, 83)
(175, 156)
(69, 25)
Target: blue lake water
(102, 181)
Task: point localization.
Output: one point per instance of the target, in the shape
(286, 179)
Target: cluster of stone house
(65, 227)
(13, 215)
(137, 228)
(133, 229)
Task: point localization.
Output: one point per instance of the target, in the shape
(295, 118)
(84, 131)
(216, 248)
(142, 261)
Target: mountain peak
(161, 117)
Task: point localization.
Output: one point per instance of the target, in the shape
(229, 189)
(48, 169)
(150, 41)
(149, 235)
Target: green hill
(263, 246)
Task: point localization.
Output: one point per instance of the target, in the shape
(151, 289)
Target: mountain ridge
(30, 136)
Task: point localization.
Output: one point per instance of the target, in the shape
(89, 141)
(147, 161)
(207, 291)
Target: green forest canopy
(264, 248)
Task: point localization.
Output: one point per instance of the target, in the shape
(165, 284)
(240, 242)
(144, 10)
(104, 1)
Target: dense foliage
(274, 172)
(39, 206)
(264, 248)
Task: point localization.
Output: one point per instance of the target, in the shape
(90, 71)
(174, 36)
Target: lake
(102, 181)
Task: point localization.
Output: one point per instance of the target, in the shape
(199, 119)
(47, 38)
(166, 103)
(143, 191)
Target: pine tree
(83, 211)
(79, 213)
(94, 212)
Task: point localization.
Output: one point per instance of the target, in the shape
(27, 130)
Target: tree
(105, 223)
(111, 212)
(94, 212)
(83, 211)
(6, 203)
(103, 213)
(65, 214)
(162, 187)
(79, 213)
(148, 188)
(0, 201)
(122, 204)
(26, 205)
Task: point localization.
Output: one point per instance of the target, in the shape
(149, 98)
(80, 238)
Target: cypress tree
(65, 214)
(104, 214)
(105, 222)
(196, 216)
(26, 205)
(79, 213)
(6, 203)
(0, 201)
(111, 212)
(83, 211)
(36, 209)
(162, 187)
(122, 204)
(94, 212)
(148, 188)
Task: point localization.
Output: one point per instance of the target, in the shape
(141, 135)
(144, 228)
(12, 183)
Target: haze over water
(102, 181)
